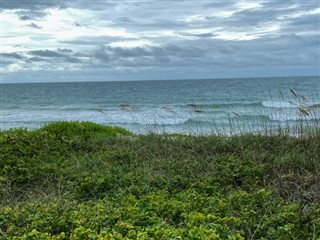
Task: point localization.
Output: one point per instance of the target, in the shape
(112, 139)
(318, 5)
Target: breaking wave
(278, 104)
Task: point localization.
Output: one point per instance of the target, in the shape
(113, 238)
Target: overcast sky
(158, 39)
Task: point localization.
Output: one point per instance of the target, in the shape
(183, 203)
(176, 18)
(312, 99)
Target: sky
(101, 40)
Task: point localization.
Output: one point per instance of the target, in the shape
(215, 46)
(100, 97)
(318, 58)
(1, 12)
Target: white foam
(292, 116)
(279, 104)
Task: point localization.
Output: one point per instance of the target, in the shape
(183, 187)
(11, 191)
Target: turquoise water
(183, 106)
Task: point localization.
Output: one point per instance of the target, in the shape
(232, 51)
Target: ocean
(223, 106)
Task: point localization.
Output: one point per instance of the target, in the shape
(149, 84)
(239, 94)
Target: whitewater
(226, 106)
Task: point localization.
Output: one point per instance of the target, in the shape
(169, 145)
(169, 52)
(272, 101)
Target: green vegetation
(87, 181)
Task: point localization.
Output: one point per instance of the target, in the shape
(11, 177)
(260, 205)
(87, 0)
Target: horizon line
(154, 80)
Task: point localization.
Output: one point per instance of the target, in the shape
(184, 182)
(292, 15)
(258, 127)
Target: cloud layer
(111, 40)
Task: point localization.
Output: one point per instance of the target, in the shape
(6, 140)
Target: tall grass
(257, 119)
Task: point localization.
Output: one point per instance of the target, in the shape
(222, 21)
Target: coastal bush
(71, 129)
(87, 181)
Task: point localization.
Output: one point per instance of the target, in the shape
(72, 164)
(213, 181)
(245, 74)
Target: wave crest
(278, 104)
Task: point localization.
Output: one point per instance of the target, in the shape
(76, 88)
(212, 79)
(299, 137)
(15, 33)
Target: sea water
(224, 106)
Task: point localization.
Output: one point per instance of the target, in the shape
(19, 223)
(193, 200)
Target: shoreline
(301, 128)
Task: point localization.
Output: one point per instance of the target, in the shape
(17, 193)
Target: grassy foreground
(87, 181)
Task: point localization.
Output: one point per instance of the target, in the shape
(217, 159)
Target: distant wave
(251, 118)
(11, 107)
(288, 104)
(154, 121)
(314, 106)
(175, 115)
(292, 117)
(220, 105)
(278, 104)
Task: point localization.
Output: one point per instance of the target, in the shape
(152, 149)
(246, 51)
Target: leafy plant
(87, 181)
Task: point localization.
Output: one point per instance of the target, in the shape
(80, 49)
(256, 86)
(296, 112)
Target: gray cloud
(126, 20)
(200, 35)
(130, 52)
(209, 54)
(91, 40)
(293, 5)
(184, 36)
(306, 22)
(150, 52)
(46, 53)
(65, 55)
(26, 15)
(37, 59)
(25, 18)
(100, 5)
(33, 25)
(220, 4)
(72, 59)
(169, 55)
(64, 50)
(12, 55)
(34, 4)
(270, 11)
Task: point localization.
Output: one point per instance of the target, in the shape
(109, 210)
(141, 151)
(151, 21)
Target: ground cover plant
(72, 180)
